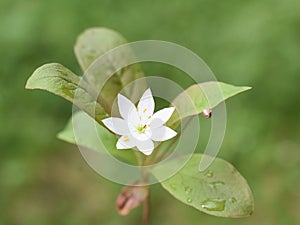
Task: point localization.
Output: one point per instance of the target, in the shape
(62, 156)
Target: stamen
(144, 110)
(141, 129)
(126, 138)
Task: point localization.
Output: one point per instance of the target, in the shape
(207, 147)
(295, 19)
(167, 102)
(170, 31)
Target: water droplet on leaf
(189, 200)
(213, 204)
(188, 190)
(209, 174)
(215, 184)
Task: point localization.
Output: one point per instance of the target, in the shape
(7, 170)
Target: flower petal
(156, 122)
(146, 105)
(162, 133)
(125, 106)
(133, 118)
(146, 146)
(116, 125)
(163, 115)
(125, 142)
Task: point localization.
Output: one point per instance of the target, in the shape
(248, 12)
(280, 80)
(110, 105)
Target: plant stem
(152, 159)
(146, 210)
(139, 157)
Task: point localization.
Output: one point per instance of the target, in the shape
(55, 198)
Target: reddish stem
(146, 210)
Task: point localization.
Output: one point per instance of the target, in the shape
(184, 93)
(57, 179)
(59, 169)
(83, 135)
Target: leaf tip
(247, 88)
(59, 136)
(31, 81)
(28, 84)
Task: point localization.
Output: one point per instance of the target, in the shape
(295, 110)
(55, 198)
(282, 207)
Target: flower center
(141, 129)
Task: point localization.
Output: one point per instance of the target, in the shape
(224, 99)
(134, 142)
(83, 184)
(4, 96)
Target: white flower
(139, 126)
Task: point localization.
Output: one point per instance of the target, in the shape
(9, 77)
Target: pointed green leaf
(59, 80)
(220, 190)
(202, 96)
(90, 134)
(94, 43)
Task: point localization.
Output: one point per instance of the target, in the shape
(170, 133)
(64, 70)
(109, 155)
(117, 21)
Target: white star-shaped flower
(139, 127)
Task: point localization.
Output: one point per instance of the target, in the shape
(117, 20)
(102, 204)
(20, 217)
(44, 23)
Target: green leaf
(220, 190)
(91, 135)
(94, 43)
(202, 96)
(59, 80)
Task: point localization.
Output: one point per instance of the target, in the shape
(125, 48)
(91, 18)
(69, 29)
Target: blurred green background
(256, 43)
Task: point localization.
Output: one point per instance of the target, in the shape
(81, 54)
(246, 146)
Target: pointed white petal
(116, 125)
(126, 142)
(156, 122)
(133, 118)
(125, 106)
(163, 114)
(146, 105)
(162, 133)
(146, 146)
